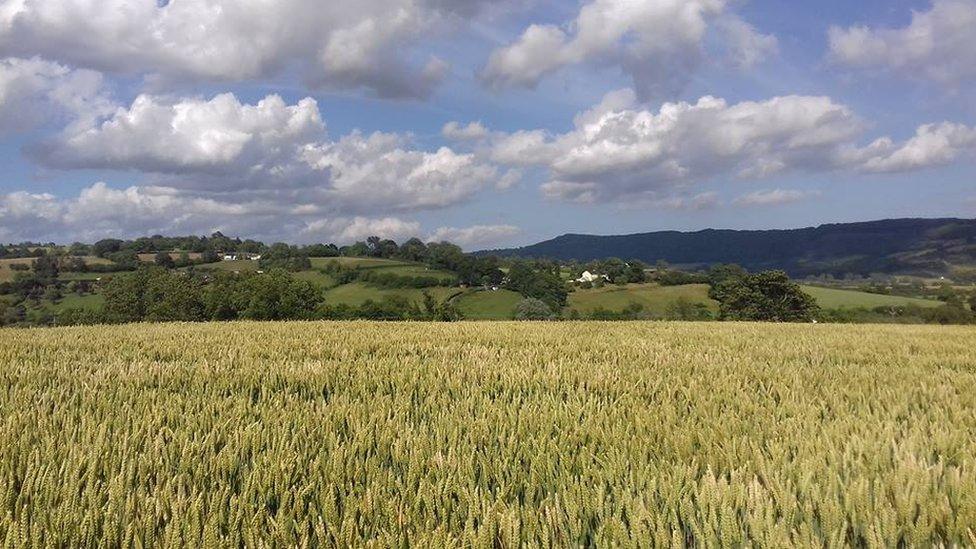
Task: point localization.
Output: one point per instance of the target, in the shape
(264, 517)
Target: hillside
(906, 246)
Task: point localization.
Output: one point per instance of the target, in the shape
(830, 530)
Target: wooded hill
(904, 246)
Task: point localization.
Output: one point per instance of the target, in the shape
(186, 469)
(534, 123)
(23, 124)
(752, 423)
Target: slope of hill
(917, 246)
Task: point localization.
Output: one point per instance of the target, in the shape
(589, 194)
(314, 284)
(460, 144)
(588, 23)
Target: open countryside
(354, 281)
(485, 304)
(487, 274)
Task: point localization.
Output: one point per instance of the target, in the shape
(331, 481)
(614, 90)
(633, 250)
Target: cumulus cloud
(275, 151)
(932, 145)
(472, 132)
(621, 152)
(348, 230)
(774, 197)
(219, 135)
(938, 44)
(35, 91)
(100, 211)
(476, 235)
(378, 172)
(337, 44)
(659, 43)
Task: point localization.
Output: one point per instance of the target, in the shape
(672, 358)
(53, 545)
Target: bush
(680, 278)
(533, 309)
(685, 309)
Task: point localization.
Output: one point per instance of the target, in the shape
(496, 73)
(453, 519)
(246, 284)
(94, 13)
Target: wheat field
(488, 435)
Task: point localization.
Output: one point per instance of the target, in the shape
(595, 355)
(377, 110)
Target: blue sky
(486, 123)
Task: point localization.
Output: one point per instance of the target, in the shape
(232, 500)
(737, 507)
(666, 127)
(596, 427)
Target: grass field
(358, 293)
(6, 274)
(243, 265)
(830, 298)
(485, 305)
(318, 278)
(654, 298)
(488, 435)
(401, 268)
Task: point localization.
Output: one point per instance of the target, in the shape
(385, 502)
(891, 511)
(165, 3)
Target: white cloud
(938, 44)
(348, 230)
(275, 151)
(475, 236)
(336, 44)
(620, 152)
(774, 197)
(378, 172)
(616, 153)
(35, 91)
(747, 46)
(932, 145)
(100, 211)
(220, 135)
(472, 132)
(657, 42)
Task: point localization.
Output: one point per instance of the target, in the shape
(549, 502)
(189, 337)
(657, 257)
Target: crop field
(6, 273)
(488, 434)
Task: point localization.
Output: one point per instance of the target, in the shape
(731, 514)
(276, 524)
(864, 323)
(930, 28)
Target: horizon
(245, 238)
(490, 124)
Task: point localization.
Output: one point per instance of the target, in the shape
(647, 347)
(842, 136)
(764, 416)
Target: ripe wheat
(487, 435)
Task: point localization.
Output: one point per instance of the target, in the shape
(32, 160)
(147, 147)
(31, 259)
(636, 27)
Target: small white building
(241, 257)
(588, 277)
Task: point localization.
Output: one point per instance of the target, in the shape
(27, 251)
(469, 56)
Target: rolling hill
(905, 246)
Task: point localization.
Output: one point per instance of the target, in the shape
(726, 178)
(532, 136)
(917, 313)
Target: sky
(489, 123)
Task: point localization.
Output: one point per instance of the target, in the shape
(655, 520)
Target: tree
(635, 272)
(443, 311)
(542, 284)
(173, 297)
(278, 296)
(164, 260)
(533, 309)
(321, 250)
(209, 256)
(359, 249)
(46, 268)
(107, 246)
(283, 256)
(413, 250)
(725, 271)
(125, 297)
(767, 296)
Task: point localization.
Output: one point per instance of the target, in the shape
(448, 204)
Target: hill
(905, 246)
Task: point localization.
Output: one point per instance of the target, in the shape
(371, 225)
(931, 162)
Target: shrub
(533, 309)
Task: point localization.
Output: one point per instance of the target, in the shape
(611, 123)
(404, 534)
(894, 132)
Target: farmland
(831, 298)
(654, 298)
(481, 434)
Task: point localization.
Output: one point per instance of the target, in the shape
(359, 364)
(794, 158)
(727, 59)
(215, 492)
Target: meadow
(488, 435)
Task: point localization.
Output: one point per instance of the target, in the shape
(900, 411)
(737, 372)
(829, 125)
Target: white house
(589, 277)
